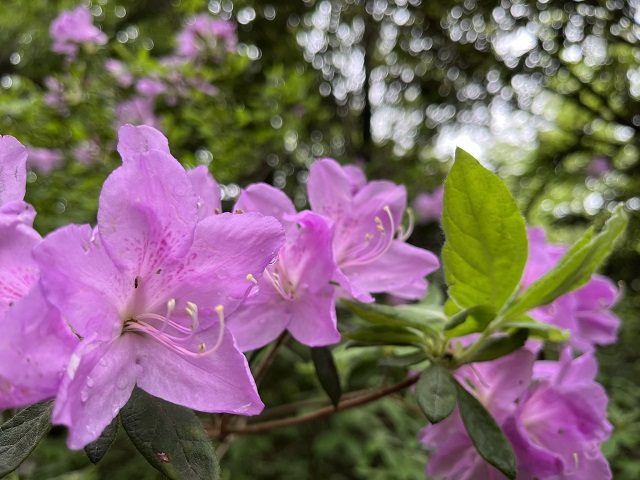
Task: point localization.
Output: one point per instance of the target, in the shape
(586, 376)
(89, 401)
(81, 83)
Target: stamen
(252, 279)
(403, 234)
(369, 251)
(216, 211)
(199, 205)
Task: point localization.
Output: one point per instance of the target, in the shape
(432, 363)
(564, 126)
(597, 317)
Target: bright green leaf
(541, 330)
(436, 393)
(489, 440)
(21, 434)
(170, 437)
(471, 320)
(575, 267)
(486, 240)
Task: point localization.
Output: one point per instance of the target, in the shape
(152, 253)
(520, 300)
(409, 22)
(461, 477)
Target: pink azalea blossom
(73, 28)
(295, 293)
(120, 72)
(205, 34)
(148, 291)
(369, 245)
(44, 160)
(137, 111)
(36, 343)
(585, 312)
(150, 87)
(553, 413)
(428, 206)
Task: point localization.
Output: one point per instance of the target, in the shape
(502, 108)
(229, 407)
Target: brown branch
(367, 397)
(269, 357)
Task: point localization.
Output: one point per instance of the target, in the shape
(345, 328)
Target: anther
(216, 211)
(237, 210)
(252, 279)
(199, 205)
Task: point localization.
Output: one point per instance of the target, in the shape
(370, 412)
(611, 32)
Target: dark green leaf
(575, 267)
(486, 240)
(170, 437)
(98, 448)
(471, 320)
(436, 393)
(497, 347)
(327, 373)
(380, 335)
(427, 318)
(489, 440)
(21, 434)
(403, 360)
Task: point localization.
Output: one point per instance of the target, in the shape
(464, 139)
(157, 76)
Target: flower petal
(147, 213)
(34, 351)
(329, 188)
(135, 140)
(207, 190)
(265, 199)
(313, 321)
(403, 265)
(13, 169)
(218, 382)
(81, 280)
(98, 383)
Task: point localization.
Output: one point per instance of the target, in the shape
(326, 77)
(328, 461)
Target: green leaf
(381, 335)
(497, 347)
(436, 393)
(541, 330)
(427, 318)
(327, 373)
(486, 240)
(98, 448)
(170, 437)
(489, 440)
(471, 320)
(21, 434)
(403, 360)
(574, 268)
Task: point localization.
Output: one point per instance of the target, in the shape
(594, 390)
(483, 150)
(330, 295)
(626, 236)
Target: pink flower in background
(35, 344)
(585, 312)
(428, 206)
(137, 111)
(43, 160)
(150, 87)
(295, 293)
(205, 34)
(367, 217)
(553, 413)
(73, 28)
(120, 72)
(599, 166)
(55, 97)
(86, 152)
(148, 291)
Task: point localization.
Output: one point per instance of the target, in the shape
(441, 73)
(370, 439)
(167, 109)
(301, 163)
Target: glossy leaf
(574, 268)
(488, 438)
(540, 330)
(436, 393)
(380, 335)
(98, 448)
(170, 437)
(486, 240)
(400, 361)
(327, 373)
(21, 434)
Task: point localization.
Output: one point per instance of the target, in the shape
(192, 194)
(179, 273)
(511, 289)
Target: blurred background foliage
(546, 93)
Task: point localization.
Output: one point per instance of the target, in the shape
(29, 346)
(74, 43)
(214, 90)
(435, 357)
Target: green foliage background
(439, 63)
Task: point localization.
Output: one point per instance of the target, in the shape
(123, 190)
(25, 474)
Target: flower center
(172, 334)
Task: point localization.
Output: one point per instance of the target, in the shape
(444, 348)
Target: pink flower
(204, 35)
(367, 217)
(43, 160)
(295, 293)
(120, 72)
(73, 28)
(36, 343)
(150, 87)
(86, 152)
(428, 206)
(585, 312)
(137, 111)
(148, 291)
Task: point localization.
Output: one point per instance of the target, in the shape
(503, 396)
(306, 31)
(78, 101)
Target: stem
(269, 357)
(367, 397)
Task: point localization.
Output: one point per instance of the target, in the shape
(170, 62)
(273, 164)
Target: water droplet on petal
(122, 382)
